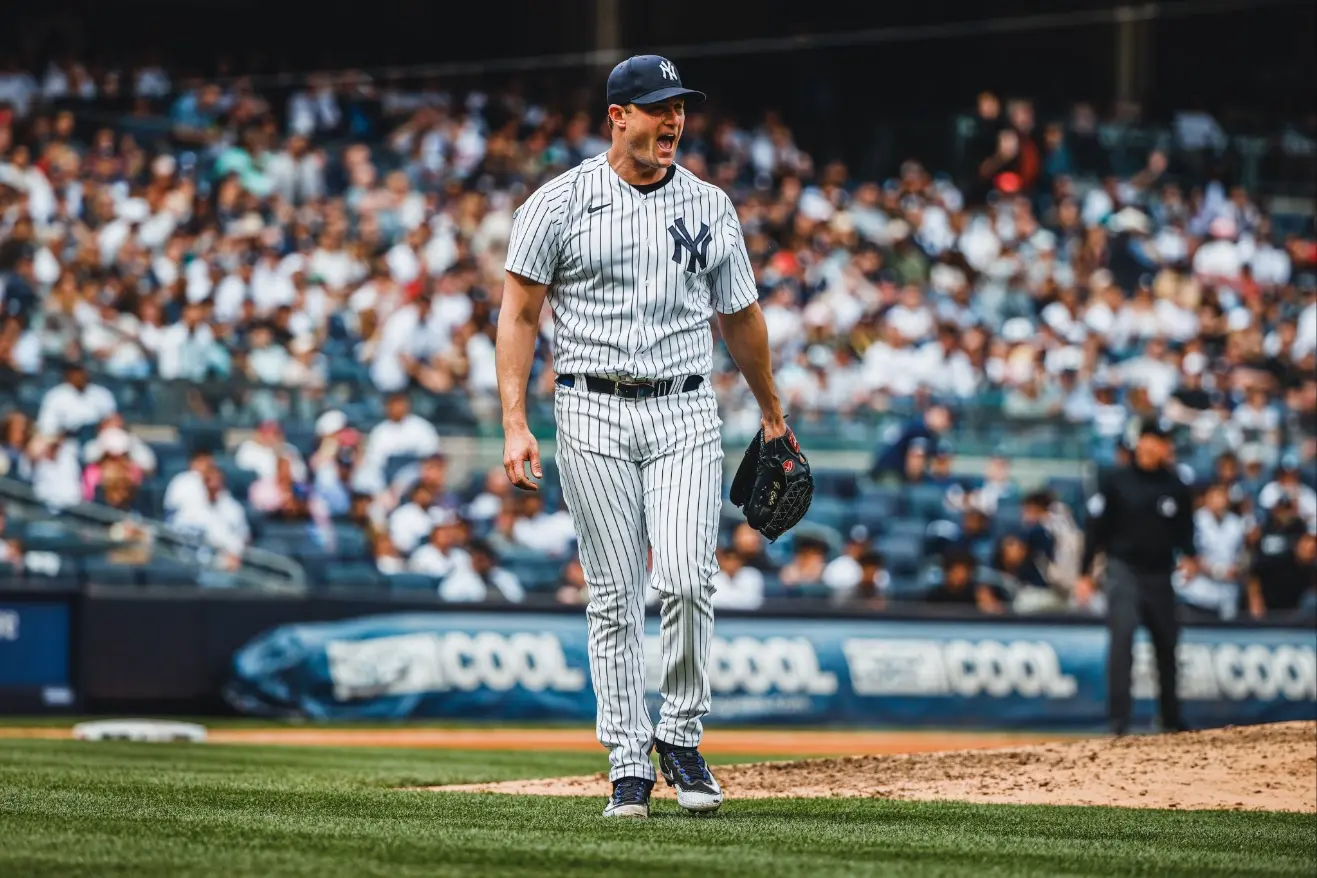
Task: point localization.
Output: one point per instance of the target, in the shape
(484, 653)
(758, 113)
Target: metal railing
(94, 527)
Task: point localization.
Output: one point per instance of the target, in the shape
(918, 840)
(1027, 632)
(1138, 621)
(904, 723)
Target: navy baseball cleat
(630, 798)
(684, 769)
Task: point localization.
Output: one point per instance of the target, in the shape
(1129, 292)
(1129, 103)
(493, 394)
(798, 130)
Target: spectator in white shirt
(1079, 404)
(481, 579)
(20, 347)
(267, 361)
(871, 587)
(151, 82)
(403, 259)
(997, 485)
(1219, 534)
(487, 504)
(407, 344)
(1152, 372)
(843, 572)
(782, 320)
(1218, 261)
(260, 454)
(1257, 420)
(443, 553)
(56, 472)
(1137, 321)
(736, 585)
(74, 404)
(1198, 130)
(401, 433)
(891, 364)
(798, 383)
(1064, 316)
(297, 173)
(188, 488)
(548, 532)
(1271, 264)
(1105, 304)
(1305, 341)
(217, 519)
(912, 317)
(187, 350)
(944, 367)
(314, 108)
(1289, 484)
(413, 520)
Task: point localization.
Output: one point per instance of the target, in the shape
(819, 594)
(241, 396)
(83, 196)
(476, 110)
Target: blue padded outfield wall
(35, 640)
(528, 666)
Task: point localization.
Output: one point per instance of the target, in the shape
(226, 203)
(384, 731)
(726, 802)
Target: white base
(155, 731)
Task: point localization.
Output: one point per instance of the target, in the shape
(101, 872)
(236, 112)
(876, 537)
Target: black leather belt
(634, 389)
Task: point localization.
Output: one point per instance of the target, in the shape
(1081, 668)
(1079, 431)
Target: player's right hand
(519, 447)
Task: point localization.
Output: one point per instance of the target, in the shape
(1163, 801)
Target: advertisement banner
(768, 670)
(34, 652)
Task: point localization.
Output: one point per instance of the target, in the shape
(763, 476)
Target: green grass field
(77, 808)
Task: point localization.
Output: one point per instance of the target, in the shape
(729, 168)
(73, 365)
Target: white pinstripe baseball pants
(636, 474)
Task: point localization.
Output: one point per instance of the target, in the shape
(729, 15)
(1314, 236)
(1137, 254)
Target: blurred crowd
(349, 229)
(1255, 525)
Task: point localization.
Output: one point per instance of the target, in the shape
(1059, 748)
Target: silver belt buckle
(618, 385)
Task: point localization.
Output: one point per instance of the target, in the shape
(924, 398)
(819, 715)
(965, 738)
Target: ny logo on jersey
(697, 248)
(668, 71)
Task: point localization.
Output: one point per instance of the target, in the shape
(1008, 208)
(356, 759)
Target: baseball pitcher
(636, 254)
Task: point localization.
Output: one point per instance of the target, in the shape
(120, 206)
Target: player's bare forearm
(514, 348)
(746, 336)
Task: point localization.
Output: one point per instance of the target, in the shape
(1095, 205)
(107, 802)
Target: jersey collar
(657, 184)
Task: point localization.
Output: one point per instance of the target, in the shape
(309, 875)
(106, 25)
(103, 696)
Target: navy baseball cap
(647, 79)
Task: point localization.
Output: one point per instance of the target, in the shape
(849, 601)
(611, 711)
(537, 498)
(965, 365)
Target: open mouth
(667, 142)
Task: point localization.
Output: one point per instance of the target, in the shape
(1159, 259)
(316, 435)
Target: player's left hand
(774, 429)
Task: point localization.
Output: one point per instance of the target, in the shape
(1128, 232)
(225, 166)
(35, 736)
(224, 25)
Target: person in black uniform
(1280, 570)
(1141, 515)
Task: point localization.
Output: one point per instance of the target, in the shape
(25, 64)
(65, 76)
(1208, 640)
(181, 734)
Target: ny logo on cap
(697, 248)
(668, 71)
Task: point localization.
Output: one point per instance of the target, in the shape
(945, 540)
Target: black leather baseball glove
(773, 484)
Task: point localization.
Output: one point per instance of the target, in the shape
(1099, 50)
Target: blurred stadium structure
(249, 292)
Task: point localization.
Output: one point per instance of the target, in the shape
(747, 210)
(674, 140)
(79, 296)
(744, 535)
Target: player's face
(652, 132)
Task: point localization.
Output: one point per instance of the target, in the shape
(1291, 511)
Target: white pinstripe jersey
(634, 273)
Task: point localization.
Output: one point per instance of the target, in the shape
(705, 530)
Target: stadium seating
(924, 501)
(876, 506)
(163, 571)
(833, 512)
(412, 583)
(354, 575)
(902, 552)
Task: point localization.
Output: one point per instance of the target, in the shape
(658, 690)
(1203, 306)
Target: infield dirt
(1269, 768)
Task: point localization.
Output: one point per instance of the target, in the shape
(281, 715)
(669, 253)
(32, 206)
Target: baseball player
(635, 254)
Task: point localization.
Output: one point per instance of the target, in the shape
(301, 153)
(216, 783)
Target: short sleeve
(733, 281)
(536, 238)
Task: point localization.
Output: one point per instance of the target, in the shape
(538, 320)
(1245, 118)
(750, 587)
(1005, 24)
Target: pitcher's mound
(1267, 767)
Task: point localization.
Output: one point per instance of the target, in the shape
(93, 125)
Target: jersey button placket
(636, 336)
